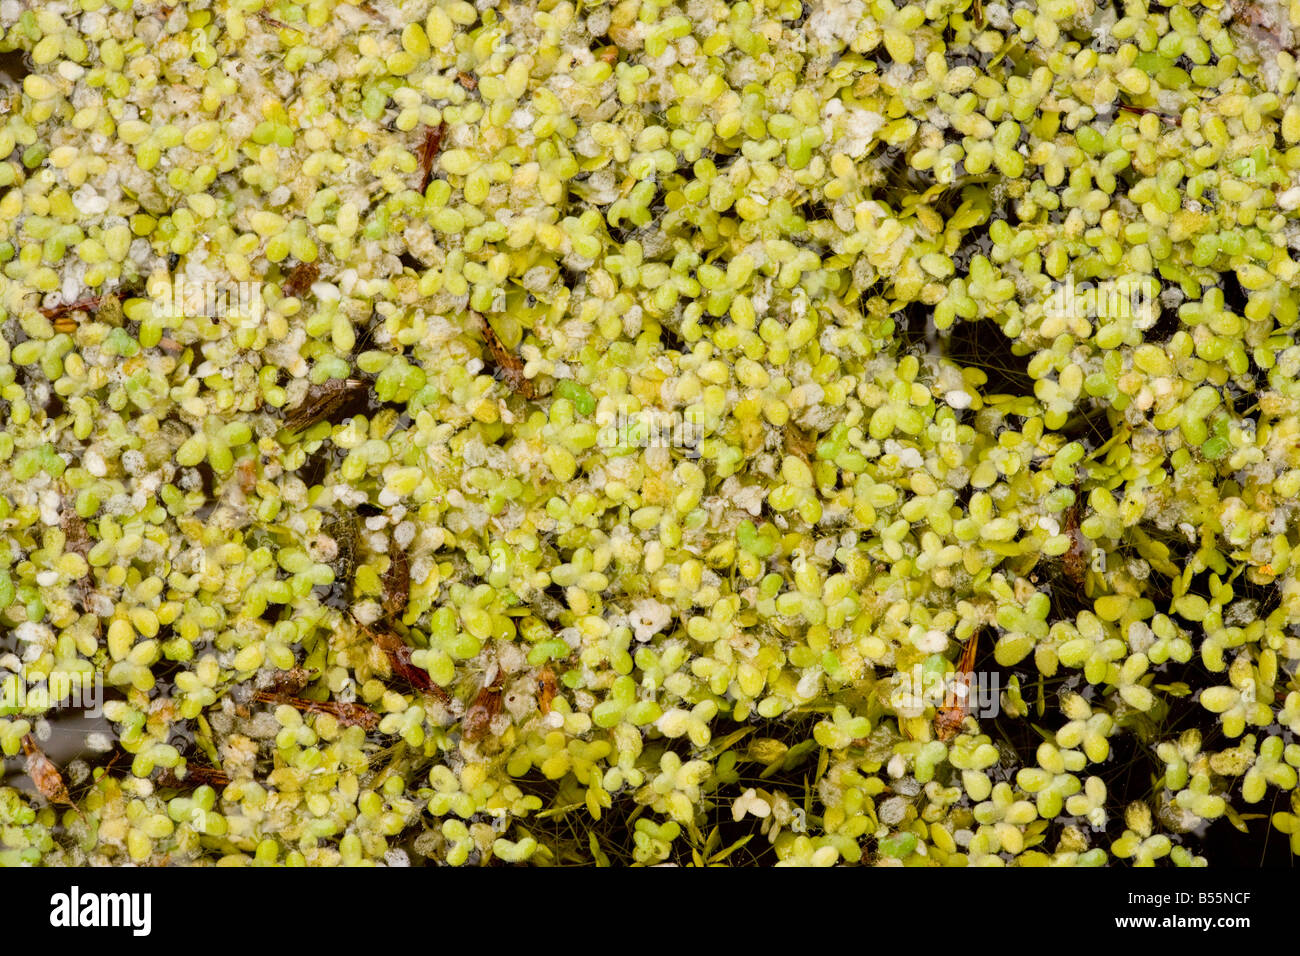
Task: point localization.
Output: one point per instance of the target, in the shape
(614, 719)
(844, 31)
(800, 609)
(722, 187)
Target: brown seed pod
(351, 715)
(1263, 23)
(799, 443)
(46, 776)
(77, 540)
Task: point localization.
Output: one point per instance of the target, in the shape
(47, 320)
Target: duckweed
(565, 433)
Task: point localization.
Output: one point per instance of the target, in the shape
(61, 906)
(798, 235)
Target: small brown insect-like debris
(467, 80)
(546, 690)
(300, 279)
(429, 150)
(511, 366)
(1264, 23)
(343, 529)
(397, 582)
(956, 703)
(77, 540)
(84, 304)
(487, 704)
(65, 320)
(799, 442)
(349, 715)
(1142, 110)
(46, 776)
(271, 21)
(289, 682)
(399, 653)
(323, 401)
(117, 755)
(167, 778)
(75, 535)
(1074, 560)
(195, 775)
(246, 474)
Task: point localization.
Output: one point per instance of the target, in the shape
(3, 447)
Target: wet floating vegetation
(399, 563)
